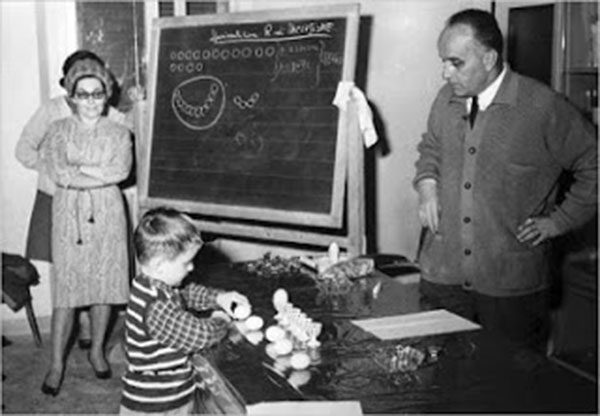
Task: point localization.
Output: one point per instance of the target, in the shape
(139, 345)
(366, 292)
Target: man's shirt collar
(486, 97)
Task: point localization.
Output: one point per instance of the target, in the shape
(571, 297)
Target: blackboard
(241, 121)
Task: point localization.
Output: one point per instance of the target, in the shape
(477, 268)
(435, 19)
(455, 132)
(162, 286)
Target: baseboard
(20, 326)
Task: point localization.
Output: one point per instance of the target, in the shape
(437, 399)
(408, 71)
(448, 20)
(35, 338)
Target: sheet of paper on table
(308, 408)
(416, 324)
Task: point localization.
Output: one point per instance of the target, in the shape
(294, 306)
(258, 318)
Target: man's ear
(490, 57)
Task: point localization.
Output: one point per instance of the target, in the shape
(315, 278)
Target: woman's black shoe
(52, 391)
(101, 374)
(84, 344)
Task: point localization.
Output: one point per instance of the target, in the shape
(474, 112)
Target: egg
(255, 337)
(280, 299)
(241, 311)
(270, 350)
(274, 333)
(254, 323)
(300, 361)
(283, 346)
(282, 363)
(299, 378)
(333, 253)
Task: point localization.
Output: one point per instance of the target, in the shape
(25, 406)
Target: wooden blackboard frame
(349, 152)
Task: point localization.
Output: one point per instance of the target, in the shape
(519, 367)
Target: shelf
(589, 70)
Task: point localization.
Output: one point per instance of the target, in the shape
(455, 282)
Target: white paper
(416, 324)
(305, 408)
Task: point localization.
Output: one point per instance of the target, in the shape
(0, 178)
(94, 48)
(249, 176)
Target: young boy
(161, 335)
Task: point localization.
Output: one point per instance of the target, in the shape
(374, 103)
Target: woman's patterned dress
(89, 233)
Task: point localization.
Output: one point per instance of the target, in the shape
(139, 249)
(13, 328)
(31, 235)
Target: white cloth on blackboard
(347, 90)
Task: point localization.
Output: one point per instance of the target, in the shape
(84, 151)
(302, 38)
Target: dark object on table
(394, 264)
(18, 274)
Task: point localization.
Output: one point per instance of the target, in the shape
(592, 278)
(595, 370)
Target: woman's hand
(136, 93)
(92, 171)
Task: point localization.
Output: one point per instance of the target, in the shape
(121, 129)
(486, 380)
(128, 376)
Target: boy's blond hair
(166, 233)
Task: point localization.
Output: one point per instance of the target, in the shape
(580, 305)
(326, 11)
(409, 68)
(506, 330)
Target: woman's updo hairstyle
(87, 68)
(78, 55)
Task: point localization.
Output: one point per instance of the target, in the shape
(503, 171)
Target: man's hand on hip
(536, 230)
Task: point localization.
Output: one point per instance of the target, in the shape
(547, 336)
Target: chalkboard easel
(242, 130)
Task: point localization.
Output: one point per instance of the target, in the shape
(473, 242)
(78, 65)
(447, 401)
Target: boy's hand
(221, 315)
(227, 301)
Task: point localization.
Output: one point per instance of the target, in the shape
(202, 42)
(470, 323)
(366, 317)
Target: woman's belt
(87, 188)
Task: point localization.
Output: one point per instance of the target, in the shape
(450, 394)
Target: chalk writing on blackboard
(205, 115)
(242, 116)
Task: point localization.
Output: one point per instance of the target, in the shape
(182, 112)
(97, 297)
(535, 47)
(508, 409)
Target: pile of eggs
(281, 348)
(280, 345)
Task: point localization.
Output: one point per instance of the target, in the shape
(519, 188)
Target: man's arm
(428, 172)
(28, 147)
(572, 142)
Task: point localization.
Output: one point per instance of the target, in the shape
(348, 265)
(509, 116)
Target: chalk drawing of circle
(188, 54)
(235, 53)
(173, 67)
(181, 55)
(199, 67)
(173, 56)
(246, 52)
(258, 52)
(197, 54)
(206, 54)
(189, 67)
(215, 54)
(181, 67)
(270, 51)
(199, 102)
(225, 54)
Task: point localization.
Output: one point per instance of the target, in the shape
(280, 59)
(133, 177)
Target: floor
(24, 366)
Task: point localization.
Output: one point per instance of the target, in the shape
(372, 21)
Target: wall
(24, 82)
(404, 74)
(20, 96)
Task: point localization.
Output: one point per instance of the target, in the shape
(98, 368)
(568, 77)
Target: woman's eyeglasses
(84, 95)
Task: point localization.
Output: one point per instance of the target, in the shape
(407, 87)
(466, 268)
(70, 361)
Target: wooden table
(473, 371)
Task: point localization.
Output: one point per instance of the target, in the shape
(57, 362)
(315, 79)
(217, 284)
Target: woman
(28, 152)
(86, 155)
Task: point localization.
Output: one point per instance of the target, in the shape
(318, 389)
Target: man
(488, 178)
